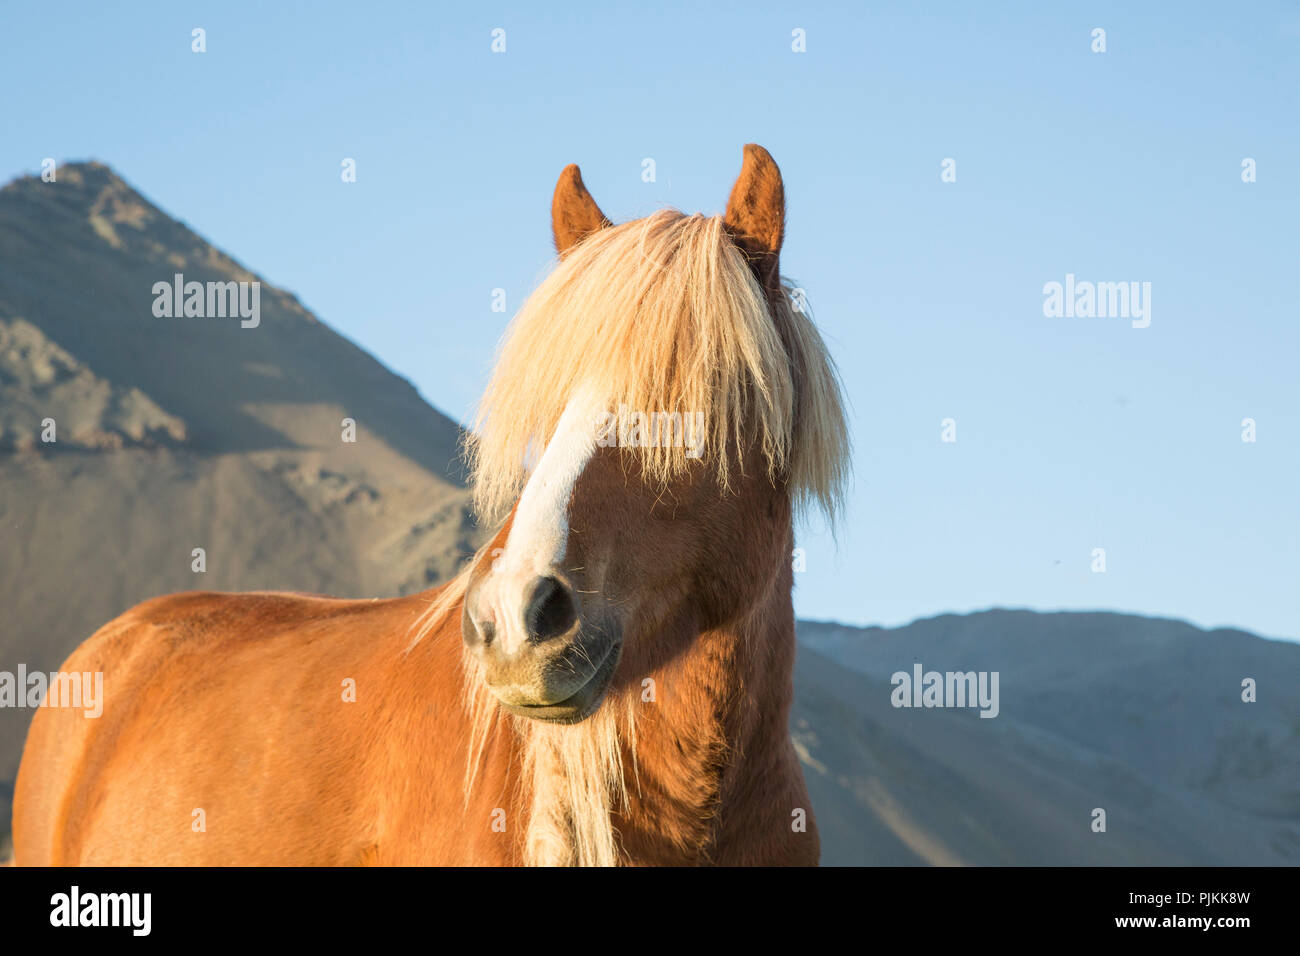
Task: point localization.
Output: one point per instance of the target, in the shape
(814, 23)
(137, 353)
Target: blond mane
(664, 315)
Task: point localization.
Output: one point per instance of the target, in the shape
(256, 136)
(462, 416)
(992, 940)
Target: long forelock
(664, 316)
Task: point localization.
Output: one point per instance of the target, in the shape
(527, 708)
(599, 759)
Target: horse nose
(550, 610)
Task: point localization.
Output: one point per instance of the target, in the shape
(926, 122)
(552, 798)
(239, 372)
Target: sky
(1072, 433)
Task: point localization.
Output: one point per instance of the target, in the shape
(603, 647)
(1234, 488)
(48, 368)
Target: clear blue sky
(1072, 434)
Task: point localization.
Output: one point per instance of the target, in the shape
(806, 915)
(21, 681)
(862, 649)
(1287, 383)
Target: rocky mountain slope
(174, 434)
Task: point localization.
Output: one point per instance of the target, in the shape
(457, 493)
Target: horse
(607, 682)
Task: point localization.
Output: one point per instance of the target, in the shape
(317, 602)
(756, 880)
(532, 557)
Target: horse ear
(574, 214)
(756, 214)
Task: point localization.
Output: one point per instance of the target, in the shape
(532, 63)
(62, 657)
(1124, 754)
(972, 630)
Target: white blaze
(540, 533)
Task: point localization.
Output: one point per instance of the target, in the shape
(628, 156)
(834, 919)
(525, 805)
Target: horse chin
(581, 704)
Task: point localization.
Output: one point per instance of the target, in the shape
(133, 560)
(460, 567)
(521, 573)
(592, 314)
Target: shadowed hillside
(1138, 716)
(179, 433)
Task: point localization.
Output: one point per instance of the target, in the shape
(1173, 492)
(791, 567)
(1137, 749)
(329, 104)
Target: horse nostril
(478, 635)
(550, 611)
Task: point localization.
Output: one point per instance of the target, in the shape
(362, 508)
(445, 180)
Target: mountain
(173, 434)
(1141, 717)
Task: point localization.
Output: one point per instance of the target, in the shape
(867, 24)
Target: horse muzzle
(540, 659)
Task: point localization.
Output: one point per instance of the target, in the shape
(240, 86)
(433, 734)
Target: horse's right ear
(574, 214)
(756, 215)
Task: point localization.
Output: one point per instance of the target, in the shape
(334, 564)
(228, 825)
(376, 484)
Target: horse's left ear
(756, 215)
(574, 214)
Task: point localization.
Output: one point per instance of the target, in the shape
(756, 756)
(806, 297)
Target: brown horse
(608, 682)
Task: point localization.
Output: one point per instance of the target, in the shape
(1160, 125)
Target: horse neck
(711, 765)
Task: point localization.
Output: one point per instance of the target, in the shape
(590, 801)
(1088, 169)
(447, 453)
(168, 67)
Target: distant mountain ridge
(1141, 717)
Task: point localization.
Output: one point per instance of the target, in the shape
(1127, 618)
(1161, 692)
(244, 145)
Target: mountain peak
(90, 202)
(89, 174)
(80, 259)
(86, 185)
